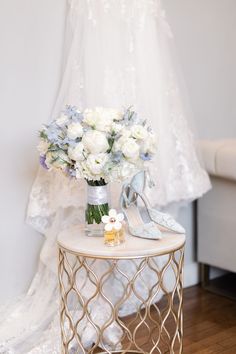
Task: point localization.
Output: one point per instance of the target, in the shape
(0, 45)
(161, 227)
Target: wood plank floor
(209, 323)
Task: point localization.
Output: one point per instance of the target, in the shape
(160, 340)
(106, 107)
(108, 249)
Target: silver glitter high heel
(136, 225)
(166, 221)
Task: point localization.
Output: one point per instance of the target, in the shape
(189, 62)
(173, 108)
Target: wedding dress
(117, 54)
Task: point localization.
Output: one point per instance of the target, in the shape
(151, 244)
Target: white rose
(96, 163)
(125, 135)
(43, 147)
(83, 170)
(103, 124)
(62, 120)
(109, 114)
(150, 144)
(95, 142)
(90, 117)
(101, 118)
(98, 119)
(114, 114)
(75, 130)
(77, 153)
(126, 170)
(130, 149)
(116, 128)
(139, 132)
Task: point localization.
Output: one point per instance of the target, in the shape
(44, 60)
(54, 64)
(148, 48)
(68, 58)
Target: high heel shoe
(137, 227)
(164, 220)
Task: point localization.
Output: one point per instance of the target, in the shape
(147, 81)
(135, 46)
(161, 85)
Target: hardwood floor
(209, 323)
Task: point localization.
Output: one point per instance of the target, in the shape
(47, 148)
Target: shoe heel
(137, 227)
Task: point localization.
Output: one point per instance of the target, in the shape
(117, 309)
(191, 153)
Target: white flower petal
(117, 225)
(96, 163)
(74, 130)
(120, 217)
(130, 149)
(108, 227)
(105, 219)
(95, 142)
(112, 213)
(62, 120)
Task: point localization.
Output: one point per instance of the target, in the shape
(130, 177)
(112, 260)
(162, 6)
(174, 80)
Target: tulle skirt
(118, 54)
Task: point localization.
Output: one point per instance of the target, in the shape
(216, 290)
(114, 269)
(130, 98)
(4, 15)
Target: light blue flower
(70, 142)
(117, 157)
(130, 117)
(145, 156)
(55, 134)
(52, 136)
(73, 113)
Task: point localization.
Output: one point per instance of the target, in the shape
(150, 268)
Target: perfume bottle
(122, 234)
(114, 229)
(111, 238)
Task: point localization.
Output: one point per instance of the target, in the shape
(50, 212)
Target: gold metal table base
(126, 352)
(156, 325)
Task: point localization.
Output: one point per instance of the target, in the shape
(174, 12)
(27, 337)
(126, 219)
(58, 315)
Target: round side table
(123, 299)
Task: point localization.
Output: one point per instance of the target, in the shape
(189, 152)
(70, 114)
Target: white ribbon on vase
(97, 195)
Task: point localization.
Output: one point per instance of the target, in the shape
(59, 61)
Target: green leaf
(43, 135)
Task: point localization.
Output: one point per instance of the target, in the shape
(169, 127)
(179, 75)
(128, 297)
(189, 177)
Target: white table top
(74, 240)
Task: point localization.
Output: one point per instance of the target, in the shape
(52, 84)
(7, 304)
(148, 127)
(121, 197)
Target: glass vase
(97, 206)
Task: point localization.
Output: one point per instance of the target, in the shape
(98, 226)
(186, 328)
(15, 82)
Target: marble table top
(75, 240)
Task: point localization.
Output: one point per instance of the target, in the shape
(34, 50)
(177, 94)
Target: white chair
(217, 209)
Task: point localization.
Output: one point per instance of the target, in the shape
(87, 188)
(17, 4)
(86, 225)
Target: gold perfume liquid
(114, 237)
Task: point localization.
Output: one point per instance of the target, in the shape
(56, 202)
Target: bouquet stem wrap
(97, 202)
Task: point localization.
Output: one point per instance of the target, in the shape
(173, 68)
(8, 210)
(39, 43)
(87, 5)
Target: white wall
(205, 41)
(31, 37)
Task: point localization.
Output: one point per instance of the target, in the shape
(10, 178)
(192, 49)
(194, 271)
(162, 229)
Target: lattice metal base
(96, 294)
(120, 352)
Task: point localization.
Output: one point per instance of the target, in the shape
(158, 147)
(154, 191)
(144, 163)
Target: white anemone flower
(113, 220)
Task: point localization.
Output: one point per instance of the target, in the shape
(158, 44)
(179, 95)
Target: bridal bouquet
(100, 145)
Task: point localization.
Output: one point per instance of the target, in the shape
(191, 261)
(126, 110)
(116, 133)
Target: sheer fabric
(117, 54)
